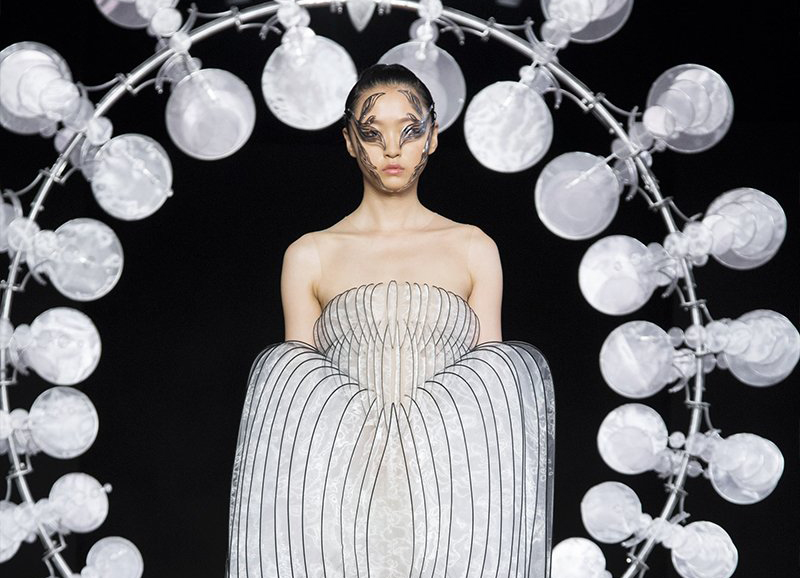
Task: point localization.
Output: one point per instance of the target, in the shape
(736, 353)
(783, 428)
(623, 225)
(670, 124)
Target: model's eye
(414, 130)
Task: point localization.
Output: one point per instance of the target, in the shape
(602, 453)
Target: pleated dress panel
(396, 447)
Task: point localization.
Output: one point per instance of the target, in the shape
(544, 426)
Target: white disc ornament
(508, 127)
(132, 177)
(611, 512)
(745, 468)
(122, 13)
(613, 275)
(439, 71)
(115, 557)
(81, 502)
(631, 437)
(63, 422)
(577, 195)
(578, 558)
(210, 114)
(636, 359)
(308, 93)
(65, 346)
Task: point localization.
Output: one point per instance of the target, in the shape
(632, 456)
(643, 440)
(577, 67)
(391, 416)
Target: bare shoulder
(303, 249)
(480, 241)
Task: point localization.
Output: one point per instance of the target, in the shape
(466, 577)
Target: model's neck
(383, 211)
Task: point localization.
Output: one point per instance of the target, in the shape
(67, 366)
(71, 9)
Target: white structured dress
(394, 448)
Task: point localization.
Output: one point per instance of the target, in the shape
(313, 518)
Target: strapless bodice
(391, 337)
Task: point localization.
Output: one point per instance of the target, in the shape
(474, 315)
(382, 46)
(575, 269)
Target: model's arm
(487, 284)
(299, 277)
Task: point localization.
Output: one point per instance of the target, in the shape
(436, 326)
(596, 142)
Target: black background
(199, 296)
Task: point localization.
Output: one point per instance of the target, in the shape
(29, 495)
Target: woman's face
(391, 127)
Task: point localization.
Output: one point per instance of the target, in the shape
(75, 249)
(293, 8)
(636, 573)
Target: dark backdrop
(199, 297)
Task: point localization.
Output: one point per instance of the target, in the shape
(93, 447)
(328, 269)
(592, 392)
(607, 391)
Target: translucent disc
(746, 468)
(89, 261)
(210, 114)
(117, 557)
(716, 556)
(81, 502)
(65, 348)
(630, 438)
(612, 277)
(310, 95)
(773, 350)
(577, 195)
(578, 558)
(63, 422)
(122, 13)
(132, 177)
(593, 21)
(700, 103)
(636, 359)
(508, 127)
(611, 512)
(439, 71)
(24, 66)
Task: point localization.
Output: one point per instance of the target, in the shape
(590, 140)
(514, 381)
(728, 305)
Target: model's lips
(393, 169)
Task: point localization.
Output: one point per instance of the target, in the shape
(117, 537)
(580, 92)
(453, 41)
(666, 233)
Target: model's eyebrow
(402, 119)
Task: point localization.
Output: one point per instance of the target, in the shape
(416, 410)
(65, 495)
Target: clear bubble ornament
(65, 348)
(132, 177)
(81, 502)
(441, 74)
(210, 114)
(308, 93)
(8, 213)
(772, 352)
(705, 551)
(614, 275)
(508, 127)
(611, 512)
(748, 227)
(26, 68)
(631, 437)
(745, 468)
(577, 195)
(63, 422)
(578, 558)
(115, 557)
(690, 107)
(636, 359)
(20, 234)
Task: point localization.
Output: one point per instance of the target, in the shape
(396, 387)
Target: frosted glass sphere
(89, 261)
(748, 227)
(578, 558)
(26, 68)
(439, 71)
(772, 352)
(707, 552)
(132, 177)
(508, 127)
(210, 114)
(577, 195)
(692, 108)
(166, 22)
(20, 234)
(631, 437)
(59, 99)
(745, 468)
(613, 275)
(611, 512)
(44, 247)
(123, 13)
(636, 359)
(81, 502)
(65, 348)
(309, 92)
(63, 422)
(7, 214)
(605, 17)
(115, 557)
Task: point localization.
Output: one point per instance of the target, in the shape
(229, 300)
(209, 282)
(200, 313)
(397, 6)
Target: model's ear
(434, 138)
(350, 147)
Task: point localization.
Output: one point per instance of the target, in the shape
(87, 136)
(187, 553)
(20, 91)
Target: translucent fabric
(396, 447)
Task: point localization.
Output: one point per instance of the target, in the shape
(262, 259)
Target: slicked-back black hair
(393, 74)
